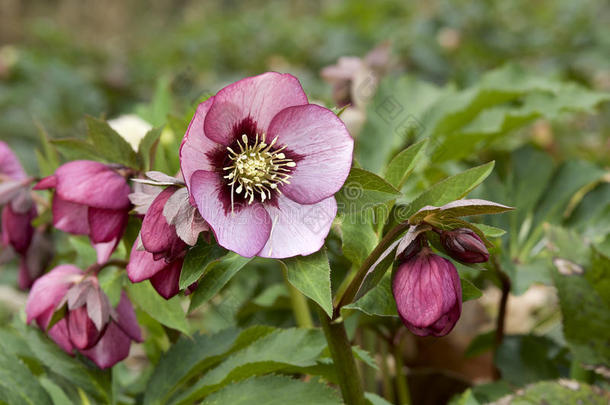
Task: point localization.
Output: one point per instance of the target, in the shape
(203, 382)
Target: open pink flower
(90, 199)
(262, 165)
(91, 326)
(428, 294)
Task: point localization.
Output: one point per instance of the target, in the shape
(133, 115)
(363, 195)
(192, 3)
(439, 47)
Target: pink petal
(244, 230)
(325, 146)
(166, 282)
(70, 217)
(298, 229)
(49, 290)
(141, 264)
(196, 146)
(159, 237)
(259, 98)
(104, 250)
(46, 183)
(111, 348)
(93, 184)
(127, 318)
(9, 164)
(106, 225)
(17, 229)
(59, 333)
(82, 331)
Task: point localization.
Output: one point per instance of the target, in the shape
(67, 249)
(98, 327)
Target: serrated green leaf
(311, 276)
(197, 260)
(275, 390)
(363, 190)
(278, 350)
(403, 164)
(598, 275)
(357, 236)
(109, 145)
(191, 356)
(458, 208)
(378, 301)
(168, 312)
(452, 188)
(76, 149)
(217, 275)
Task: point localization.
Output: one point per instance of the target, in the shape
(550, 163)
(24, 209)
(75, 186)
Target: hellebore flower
(464, 245)
(91, 325)
(17, 229)
(428, 294)
(90, 199)
(262, 164)
(170, 225)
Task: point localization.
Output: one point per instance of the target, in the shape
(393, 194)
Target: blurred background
(62, 59)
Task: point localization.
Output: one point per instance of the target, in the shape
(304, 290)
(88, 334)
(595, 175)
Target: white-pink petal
(244, 231)
(325, 146)
(298, 229)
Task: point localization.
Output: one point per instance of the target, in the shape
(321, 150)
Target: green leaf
(469, 290)
(278, 350)
(311, 276)
(480, 344)
(148, 147)
(18, 385)
(598, 275)
(403, 164)
(379, 301)
(452, 188)
(58, 396)
(524, 359)
(160, 105)
(377, 270)
(109, 144)
(586, 318)
(48, 160)
(167, 312)
(374, 399)
(197, 260)
(275, 390)
(217, 275)
(76, 149)
(466, 398)
(92, 380)
(191, 356)
(568, 392)
(458, 208)
(357, 236)
(489, 231)
(363, 190)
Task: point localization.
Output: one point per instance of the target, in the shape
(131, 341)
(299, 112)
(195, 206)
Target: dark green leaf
(197, 260)
(167, 312)
(363, 190)
(109, 144)
(76, 149)
(469, 290)
(378, 301)
(403, 164)
(311, 275)
(18, 385)
(275, 390)
(216, 276)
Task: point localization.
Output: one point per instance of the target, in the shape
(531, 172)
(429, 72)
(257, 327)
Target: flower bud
(17, 229)
(90, 199)
(428, 294)
(464, 245)
(91, 326)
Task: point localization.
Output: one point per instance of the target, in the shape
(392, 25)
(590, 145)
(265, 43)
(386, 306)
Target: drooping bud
(90, 199)
(428, 294)
(92, 326)
(464, 245)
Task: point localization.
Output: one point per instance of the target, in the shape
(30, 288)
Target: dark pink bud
(159, 237)
(90, 199)
(464, 245)
(428, 294)
(83, 332)
(17, 229)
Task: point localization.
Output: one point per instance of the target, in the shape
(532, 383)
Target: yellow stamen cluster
(256, 169)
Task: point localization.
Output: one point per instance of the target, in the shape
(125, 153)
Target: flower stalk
(343, 358)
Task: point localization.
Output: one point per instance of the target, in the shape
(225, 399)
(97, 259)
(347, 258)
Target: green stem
(299, 307)
(579, 373)
(388, 389)
(402, 387)
(343, 358)
(354, 285)
(505, 285)
(368, 373)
